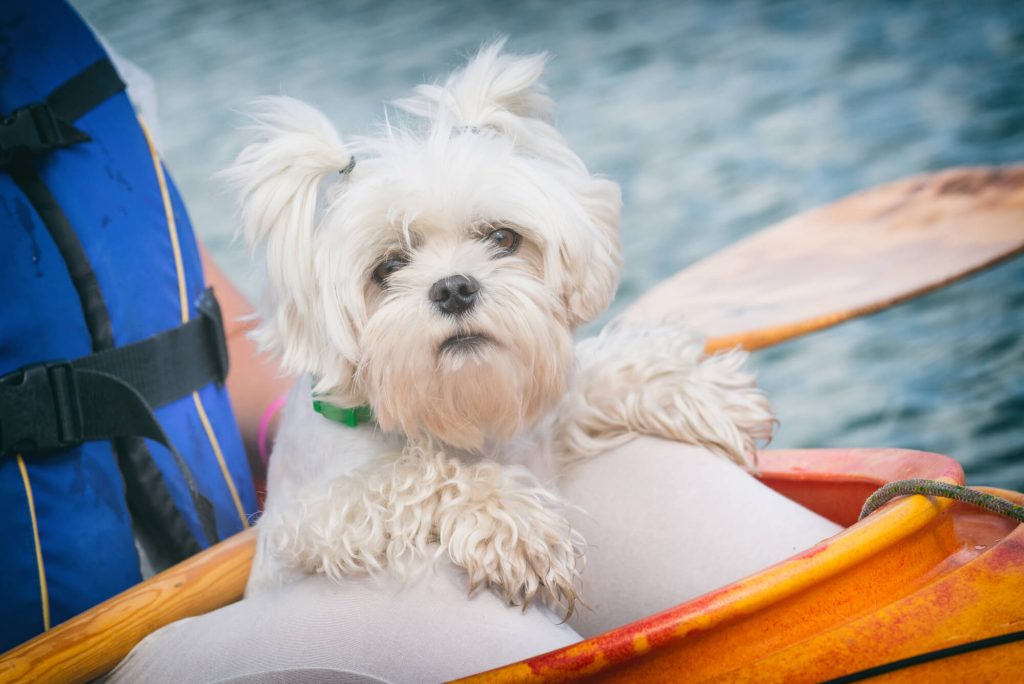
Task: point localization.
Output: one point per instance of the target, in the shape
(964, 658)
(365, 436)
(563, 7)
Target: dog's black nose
(454, 295)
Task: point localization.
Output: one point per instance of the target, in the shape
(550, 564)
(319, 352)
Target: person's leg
(363, 630)
(665, 522)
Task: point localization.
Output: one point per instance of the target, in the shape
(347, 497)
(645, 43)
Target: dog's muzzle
(454, 295)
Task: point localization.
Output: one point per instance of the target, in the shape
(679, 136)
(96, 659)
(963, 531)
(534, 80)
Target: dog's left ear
(591, 257)
(279, 179)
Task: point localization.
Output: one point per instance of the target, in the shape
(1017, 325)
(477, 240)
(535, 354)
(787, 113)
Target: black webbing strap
(112, 393)
(94, 309)
(40, 127)
(111, 408)
(159, 525)
(81, 93)
(173, 364)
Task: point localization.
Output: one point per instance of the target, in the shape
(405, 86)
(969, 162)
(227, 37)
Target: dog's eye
(387, 267)
(504, 240)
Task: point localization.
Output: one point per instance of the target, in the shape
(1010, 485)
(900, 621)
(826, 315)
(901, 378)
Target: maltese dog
(427, 283)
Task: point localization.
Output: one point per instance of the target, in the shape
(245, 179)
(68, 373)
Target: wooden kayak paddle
(853, 257)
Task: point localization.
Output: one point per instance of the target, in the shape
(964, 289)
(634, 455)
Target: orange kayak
(923, 590)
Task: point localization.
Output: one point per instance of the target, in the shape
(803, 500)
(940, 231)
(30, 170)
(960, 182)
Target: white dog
(428, 282)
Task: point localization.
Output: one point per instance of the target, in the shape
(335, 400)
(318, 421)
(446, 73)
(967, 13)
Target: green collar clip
(346, 416)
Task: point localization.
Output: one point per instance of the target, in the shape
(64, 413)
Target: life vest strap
(35, 129)
(45, 406)
(88, 89)
(40, 127)
(94, 308)
(172, 364)
(112, 393)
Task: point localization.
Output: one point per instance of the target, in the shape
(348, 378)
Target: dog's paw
(656, 380)
(497, 522)
(509, 534)
(746, 415)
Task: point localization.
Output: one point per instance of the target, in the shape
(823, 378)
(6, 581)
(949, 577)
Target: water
(717, 118)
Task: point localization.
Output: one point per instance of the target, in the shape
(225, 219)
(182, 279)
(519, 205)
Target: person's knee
(665, 522)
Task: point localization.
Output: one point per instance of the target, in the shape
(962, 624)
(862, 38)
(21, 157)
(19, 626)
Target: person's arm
(254, 380)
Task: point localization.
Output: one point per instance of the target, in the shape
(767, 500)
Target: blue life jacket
(107, 336)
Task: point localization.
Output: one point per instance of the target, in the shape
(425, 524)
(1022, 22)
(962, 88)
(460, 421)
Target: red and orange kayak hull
(919, 576)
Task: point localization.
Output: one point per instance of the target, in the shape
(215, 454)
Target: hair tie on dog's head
(348, 167)
(459, 130)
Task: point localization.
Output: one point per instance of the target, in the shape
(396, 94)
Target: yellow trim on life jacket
(172, 228)
(220, 459)
(44, 593)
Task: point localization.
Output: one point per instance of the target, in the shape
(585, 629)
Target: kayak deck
(921, 574)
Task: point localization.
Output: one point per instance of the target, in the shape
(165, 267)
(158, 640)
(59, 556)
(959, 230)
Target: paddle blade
(853, 257)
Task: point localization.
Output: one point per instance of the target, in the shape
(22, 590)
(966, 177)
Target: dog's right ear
(278, 179)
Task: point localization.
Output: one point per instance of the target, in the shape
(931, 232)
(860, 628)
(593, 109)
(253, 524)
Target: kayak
(926, 589)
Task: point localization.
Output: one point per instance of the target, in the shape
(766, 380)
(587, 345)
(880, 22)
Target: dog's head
(440, 278)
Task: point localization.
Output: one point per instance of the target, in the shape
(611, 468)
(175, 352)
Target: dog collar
(346, 416)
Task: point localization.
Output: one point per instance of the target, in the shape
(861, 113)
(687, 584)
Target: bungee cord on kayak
(989, 502)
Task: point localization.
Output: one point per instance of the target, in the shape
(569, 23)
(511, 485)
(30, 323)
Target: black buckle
(209, 307)
(33, 129)
(40, 409)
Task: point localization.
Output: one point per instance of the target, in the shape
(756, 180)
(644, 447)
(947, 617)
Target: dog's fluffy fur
(470, 438)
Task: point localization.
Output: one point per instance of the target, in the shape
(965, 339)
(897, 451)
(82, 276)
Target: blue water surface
(718, 118)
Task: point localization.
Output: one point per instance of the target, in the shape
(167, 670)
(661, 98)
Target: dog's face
(441, 278)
